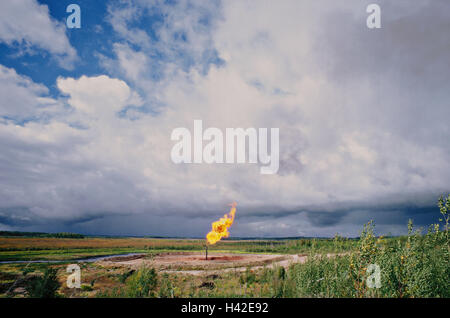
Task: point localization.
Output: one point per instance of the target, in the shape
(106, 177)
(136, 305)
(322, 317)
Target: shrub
(416, 265)
(248, 277)
(45, 286)
(166, 289)
(123, 276)
(85, 287)
(142, 283)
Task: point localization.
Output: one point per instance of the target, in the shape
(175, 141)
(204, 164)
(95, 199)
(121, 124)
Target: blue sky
(86, 115)
(40, 65)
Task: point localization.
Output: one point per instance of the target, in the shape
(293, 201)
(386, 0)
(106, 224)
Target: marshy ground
(415, 265)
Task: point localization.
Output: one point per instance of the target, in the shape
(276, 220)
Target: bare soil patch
(196, 264)
(195, 261)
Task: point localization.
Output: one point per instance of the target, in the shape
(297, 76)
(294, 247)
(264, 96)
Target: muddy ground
(196, 264)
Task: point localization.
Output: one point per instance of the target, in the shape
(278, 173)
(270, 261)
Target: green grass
(266, 247)
(415, 265)
(64, 254)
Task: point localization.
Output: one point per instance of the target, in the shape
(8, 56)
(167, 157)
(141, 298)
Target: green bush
(45, 286)
(166, 289)
(123, 276)
(249, 277)
(417, 265)
(85, 287)
(142, 283)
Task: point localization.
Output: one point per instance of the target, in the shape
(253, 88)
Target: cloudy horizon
(86, 115)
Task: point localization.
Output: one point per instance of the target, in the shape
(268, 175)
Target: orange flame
(220, 228)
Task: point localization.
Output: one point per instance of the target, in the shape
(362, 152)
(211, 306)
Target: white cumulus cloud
(28, 23)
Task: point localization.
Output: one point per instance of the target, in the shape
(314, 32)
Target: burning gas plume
(220, 228)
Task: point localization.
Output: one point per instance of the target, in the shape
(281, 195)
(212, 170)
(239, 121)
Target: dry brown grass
(10, 243)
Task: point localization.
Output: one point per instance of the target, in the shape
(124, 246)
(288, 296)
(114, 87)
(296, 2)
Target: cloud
(178, 35)
(23, 99)
(121, 16)
(58, 160)
(363, 130)
(97, 95)
(27, 23)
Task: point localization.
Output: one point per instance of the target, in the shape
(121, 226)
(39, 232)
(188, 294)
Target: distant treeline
(40, 234)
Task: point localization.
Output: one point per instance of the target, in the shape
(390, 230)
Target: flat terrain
(182, 262)
(191, 270)
(27, 248)
(411, 266)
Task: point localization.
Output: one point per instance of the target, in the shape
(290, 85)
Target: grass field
(416, 265)
(12, 248)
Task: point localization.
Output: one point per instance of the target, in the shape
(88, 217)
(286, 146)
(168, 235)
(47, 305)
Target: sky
(86, 115)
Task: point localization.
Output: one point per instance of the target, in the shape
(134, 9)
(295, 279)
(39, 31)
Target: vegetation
(418, 267)
(141, 283)
(21, 248)
(415, 265)
(45, 286)
(40, 234)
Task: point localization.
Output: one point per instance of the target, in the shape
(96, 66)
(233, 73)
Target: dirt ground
(196, 264)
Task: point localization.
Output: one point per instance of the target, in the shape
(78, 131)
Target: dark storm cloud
(406, 63)
(412, 43)
(18, 217)
(363, 117)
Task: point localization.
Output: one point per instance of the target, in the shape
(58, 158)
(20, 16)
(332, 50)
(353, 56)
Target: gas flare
(220, 228)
